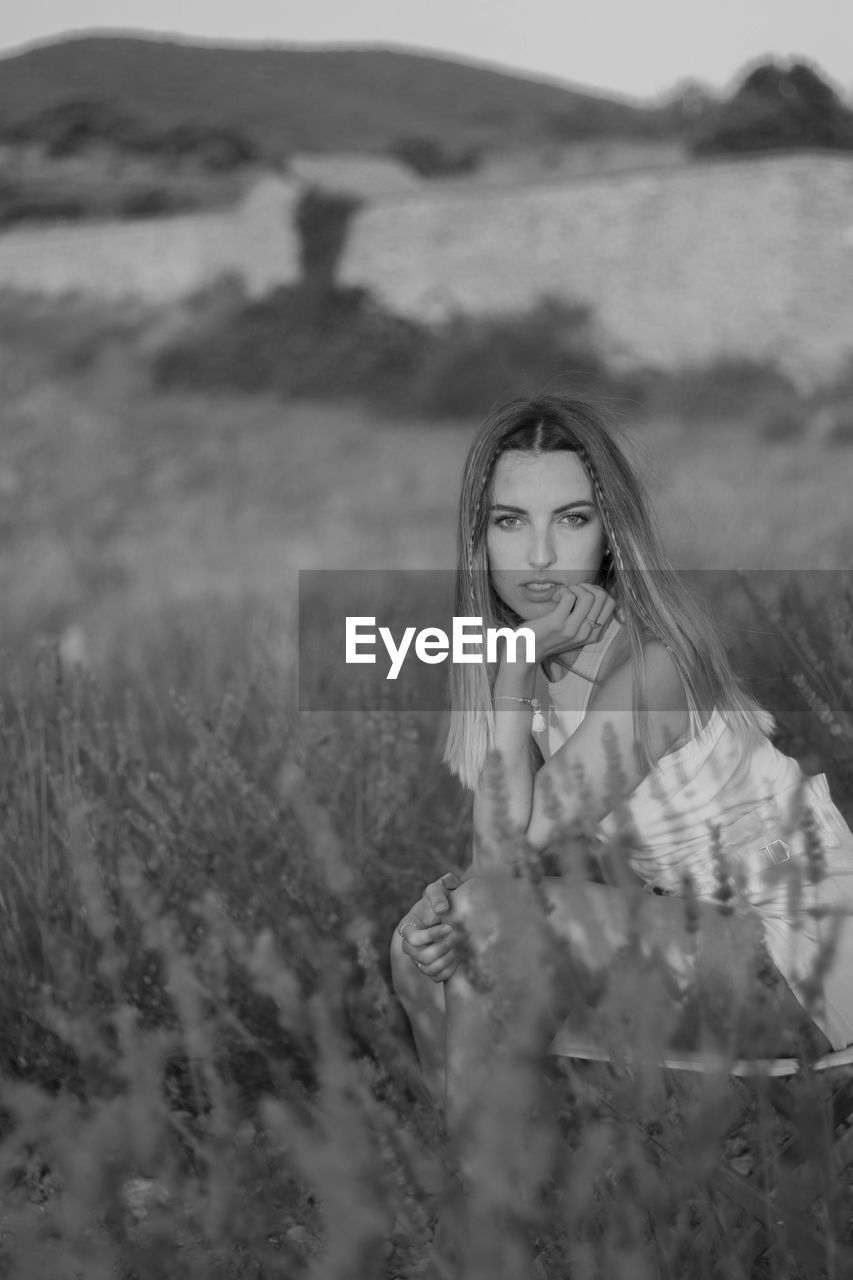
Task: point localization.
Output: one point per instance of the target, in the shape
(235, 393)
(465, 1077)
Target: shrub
(299, 342)
(328, 343)
(839, 389)
(724, 390)
(66, 128)
(777, 107)
(321, 341)
(79, 125)
(832, 408)
(153, 201)
(214, 147)
(841, 430)
(470, 362)
(782, 420)
(432, 159)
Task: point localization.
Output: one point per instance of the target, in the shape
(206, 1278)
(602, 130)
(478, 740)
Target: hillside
(284, 100)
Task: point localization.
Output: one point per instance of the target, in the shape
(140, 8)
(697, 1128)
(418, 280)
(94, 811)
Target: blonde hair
(652, 600)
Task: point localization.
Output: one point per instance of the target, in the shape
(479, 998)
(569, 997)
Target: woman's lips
(539, 590)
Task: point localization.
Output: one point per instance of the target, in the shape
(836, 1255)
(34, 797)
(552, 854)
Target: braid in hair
(613, 544)
(497, 450)
(624, 577)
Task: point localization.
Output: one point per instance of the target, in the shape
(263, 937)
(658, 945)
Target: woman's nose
(541, 550)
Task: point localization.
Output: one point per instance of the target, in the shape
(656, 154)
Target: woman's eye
(575, 518)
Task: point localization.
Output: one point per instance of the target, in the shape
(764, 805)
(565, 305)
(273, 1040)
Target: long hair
(652, 601)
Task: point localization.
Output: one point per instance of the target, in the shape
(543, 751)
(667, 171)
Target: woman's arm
(505, 797)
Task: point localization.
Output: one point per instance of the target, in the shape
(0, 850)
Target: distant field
(118, 503)
(107, 186)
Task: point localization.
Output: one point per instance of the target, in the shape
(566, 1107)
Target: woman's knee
(494, 908)
(475, 904)
(404, 975)
(398, 956)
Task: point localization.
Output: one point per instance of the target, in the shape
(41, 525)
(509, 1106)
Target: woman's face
(543, 529)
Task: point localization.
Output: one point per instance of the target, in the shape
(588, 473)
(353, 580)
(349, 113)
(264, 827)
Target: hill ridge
(294, 98)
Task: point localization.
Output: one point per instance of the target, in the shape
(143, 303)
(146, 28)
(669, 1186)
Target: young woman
(555, 535)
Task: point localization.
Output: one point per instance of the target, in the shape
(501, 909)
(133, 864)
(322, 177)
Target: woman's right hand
(568, 624)
(429, 943)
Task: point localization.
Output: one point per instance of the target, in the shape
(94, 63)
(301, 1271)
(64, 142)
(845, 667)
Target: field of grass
(203, 1071)
(118, 499)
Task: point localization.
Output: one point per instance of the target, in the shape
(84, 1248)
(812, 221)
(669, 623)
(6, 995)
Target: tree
(322, 220)
(432, 159)
(69, 127)
(214, 147)
(775, 108)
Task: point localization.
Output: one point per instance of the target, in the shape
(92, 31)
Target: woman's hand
(429, 942)
(568, 625)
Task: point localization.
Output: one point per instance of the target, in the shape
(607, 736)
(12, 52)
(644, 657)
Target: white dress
(751, 795)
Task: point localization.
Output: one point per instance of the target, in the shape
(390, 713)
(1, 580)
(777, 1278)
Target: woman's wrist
(515, 679)
(510, 702)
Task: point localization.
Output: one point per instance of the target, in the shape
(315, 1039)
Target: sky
(631, 48)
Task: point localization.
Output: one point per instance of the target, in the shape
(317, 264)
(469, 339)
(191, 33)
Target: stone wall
(747, 257)
(681, 264)
(161, 259)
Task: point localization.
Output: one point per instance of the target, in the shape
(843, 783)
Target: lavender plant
(205, 1072)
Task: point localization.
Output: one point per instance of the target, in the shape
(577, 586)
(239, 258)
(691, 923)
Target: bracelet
(538, 725)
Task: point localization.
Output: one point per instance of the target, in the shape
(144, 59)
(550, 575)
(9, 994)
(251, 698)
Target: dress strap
(568, 697)
(590, 661)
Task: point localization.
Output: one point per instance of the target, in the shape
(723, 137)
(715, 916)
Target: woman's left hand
(429, 943)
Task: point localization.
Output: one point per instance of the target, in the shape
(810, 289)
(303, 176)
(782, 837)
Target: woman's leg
(597, 920)
(519, 974)
(718, 958)
(423, 1001)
